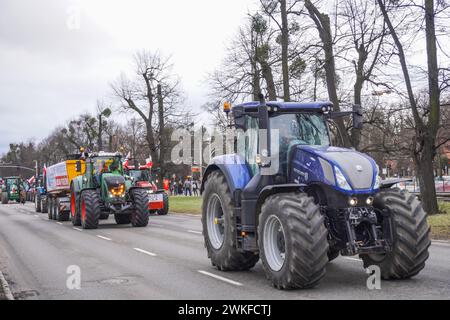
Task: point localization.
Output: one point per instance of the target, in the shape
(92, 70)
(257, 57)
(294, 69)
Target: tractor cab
(11, 189)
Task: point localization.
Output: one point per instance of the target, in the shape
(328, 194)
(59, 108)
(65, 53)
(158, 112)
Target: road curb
(5, 286)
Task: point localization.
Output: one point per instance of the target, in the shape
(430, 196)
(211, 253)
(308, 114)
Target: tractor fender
(233, 167)
(273, 189)
(389, 183)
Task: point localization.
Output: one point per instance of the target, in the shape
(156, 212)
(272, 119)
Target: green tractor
(12, 190)
(102, 189)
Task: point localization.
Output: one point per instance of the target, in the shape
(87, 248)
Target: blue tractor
(289, 197)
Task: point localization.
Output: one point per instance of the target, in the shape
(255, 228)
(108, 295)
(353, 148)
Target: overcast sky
(57, 57)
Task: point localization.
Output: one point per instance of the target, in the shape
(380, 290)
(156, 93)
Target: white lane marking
(193, 215)
(78, 229)
(104, 238)
(196, 232)
(6, 290)
(145, 252)
(36, 215)
(212, 275)
(353, 259)
(59, 223)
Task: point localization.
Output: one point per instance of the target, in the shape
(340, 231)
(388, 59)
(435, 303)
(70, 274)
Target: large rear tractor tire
(122, 218)
(140, 216)
(165, 210)
(292, 241)
(90, 209)
(5, 198)
(37, 203)
(75, 213)
(411, 236)
(219, 229)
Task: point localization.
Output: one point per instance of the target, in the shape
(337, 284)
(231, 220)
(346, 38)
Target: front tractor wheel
(37, 203)
(165, 210)
(292, 241)
(410, 232)
(90, 209)
(140, 216)
(219, 229)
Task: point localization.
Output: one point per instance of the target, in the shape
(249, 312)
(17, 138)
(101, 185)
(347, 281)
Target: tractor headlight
(341, 181)
(377, 182)
(149, 191)
(118, 191)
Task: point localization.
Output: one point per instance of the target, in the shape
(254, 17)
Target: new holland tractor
(291, 199)
(12, 189)
(101, 189)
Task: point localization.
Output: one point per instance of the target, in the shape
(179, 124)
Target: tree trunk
(356, 133)
(268, 76)
(322, 22)
(284, 51)
(162, 145)
(425, 171)
(100, 132)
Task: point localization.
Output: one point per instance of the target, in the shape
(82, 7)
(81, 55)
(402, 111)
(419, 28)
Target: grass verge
(440, 223)
(182, 204)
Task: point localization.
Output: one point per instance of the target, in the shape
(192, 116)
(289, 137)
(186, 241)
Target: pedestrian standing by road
(195, 188)
(187, 188)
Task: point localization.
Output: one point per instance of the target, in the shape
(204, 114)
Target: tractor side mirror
(357, 117)
(78, 166)
(239, 122)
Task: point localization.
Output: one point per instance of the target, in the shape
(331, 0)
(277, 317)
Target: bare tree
(155, 95)
(426, 122)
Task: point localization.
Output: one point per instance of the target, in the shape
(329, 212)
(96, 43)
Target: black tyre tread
(165, 210)
(140, 217)
(50, 208)
(5, 199)
(307, 265)
(37, 203)
(44, 206)
(228, 258)
(411, 235)
(92, 202)
(122, 218)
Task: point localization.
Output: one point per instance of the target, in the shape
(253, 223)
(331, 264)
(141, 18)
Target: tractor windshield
(140, 175)
(107, 165)
(301, 128)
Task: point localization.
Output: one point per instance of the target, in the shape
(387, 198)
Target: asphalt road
(167, 260)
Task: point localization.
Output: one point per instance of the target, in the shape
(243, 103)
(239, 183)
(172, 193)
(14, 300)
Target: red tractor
(140, 176)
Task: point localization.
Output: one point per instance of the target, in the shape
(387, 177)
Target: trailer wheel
(292, 240)
(411, 236)
(37, 203)
(5, 198)
(165, 210)
(75, 215)
(140, 216)
(219, 229)
(50, 208)
(122, 218)
(55, 208)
